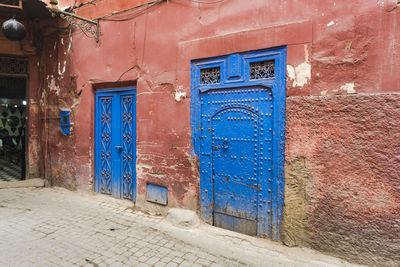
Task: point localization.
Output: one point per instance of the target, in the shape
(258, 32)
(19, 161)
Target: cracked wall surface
(52, 89)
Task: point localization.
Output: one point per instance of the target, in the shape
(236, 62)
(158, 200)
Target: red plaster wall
(334, 48)
(350, 147)
(102, 7)
(52, 88)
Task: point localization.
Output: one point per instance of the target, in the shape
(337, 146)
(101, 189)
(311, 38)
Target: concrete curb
(37, 182)
(247, 249)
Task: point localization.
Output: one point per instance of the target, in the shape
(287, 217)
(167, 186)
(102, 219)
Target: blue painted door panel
(234, 134)
(238, 125)
(128, 140)
(115, 143)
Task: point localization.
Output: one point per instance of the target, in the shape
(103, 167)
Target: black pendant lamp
(13, 30)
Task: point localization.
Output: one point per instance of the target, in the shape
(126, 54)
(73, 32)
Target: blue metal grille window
(210, 76)
(262, 70)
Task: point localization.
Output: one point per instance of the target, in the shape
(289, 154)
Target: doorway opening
(13, 116)
(238, 125)
(115, 142)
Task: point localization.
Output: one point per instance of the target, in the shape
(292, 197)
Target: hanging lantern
(13, 30)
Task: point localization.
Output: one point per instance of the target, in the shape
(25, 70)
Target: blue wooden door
(115, 143)
(238, 122)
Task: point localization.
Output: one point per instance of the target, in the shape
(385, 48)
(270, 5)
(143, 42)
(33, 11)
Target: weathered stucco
(342, 176)
(52, 88)
(342, 187)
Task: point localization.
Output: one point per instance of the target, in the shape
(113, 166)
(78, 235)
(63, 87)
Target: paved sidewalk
(56, 227)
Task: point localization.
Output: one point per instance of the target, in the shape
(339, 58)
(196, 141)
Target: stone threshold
(36, 182)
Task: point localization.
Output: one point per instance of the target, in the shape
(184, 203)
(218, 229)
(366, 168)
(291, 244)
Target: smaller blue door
(115, 143)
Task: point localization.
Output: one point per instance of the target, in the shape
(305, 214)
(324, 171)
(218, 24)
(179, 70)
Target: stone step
(36, 182)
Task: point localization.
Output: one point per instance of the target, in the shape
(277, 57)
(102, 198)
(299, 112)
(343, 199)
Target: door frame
(120, 91)
(234, 74)
(25, 171)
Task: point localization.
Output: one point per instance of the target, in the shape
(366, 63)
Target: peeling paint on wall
(53, 87)
(179, 94)
(348, 87)
(62, 71)
(300, 75)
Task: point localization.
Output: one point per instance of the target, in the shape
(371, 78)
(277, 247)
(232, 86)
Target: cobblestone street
(57, 227)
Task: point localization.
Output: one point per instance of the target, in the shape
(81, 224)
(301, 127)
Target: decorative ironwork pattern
(106, 126)
(210, 75)
(14, 65)
(89, 29)
(262, 70)
(128, 155)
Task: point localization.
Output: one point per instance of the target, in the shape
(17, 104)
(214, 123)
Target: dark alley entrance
(13, 103)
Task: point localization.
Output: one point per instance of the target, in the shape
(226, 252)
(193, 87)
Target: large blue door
(115, 143)
(240, 154)
(238, 113)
